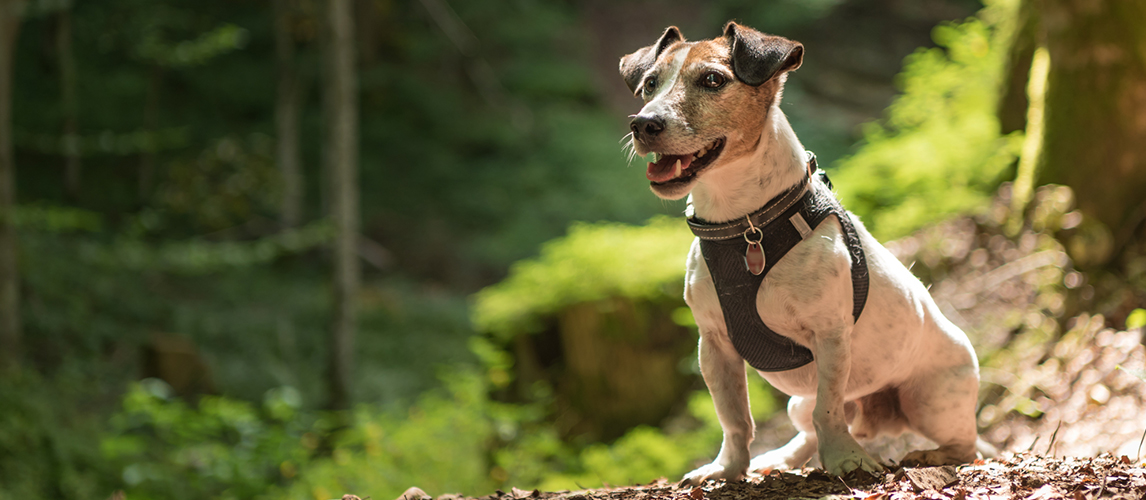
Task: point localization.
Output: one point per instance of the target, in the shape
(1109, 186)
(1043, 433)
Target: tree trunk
(147, 157)
(70, 104)
(287, 111)
(1095, 129)
(9, 274)
(342, 147)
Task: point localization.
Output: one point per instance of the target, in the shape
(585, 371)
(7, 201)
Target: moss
(940, 151)
(592, 262)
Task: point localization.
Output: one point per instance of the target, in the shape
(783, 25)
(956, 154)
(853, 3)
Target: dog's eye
(713, 80)
(650, 86)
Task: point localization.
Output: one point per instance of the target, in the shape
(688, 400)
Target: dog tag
(754, 258)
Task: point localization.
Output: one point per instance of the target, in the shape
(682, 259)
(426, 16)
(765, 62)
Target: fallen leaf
(931, 478)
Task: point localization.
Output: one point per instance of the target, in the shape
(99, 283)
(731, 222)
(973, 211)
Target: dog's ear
(634, 66)
(757, 57)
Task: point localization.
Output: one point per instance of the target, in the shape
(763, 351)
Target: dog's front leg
(839, 451)
(724, 373)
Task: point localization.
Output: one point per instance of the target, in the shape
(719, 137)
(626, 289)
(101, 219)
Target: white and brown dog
(712, 117)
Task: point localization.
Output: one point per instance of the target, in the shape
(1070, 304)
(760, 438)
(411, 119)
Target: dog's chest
(738, 290)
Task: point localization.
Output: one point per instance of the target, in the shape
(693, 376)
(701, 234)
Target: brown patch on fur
(695, 115)
(736, 110)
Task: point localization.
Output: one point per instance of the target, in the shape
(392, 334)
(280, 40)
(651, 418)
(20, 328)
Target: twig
(1054, 436)
(1033, 443)
(1103, 488)
(1012, 269)
(1138, 455)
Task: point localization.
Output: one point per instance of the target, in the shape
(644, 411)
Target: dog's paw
(773, 460)
(843, 461)
(779, 459)
(713, 471)
(790, 456)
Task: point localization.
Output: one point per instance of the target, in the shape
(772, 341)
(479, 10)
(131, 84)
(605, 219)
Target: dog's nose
(647, 125)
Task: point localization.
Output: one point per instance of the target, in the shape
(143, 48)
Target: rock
(414, 493)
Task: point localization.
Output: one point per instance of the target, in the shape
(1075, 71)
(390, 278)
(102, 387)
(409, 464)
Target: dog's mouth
(673, 169)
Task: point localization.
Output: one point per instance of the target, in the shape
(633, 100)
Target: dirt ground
(1017, 476)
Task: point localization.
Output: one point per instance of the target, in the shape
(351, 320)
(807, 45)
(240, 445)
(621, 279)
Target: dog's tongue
(665, 169)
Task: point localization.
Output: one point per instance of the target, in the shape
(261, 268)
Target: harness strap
(737, 288)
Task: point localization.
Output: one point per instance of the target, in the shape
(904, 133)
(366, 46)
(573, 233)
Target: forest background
(297, 248)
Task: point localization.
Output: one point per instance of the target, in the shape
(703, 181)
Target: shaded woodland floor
(1024, 476)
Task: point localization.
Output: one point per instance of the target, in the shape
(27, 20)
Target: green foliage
(454, 439)
(256, 309)
(593, 262)
(106, 142)
(646, 453)
(231, 182)
(222, 449)
(54, 219)
(200, 256)
(1136, 319)
(213, 43)
(939, 151)
(47, 453)
(641, 455)
(226, 448)
(474, 163)
(439, 444)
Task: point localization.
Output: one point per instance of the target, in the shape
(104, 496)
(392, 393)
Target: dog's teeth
(676, 170)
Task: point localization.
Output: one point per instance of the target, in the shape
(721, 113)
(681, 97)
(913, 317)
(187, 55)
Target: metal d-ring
(753, 229)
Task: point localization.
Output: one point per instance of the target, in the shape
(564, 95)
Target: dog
(712, 118)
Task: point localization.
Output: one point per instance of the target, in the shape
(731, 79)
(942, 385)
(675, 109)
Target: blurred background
(301, 248)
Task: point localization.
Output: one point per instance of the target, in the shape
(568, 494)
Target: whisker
(631, 147)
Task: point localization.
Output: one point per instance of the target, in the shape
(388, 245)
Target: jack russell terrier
(779, 273)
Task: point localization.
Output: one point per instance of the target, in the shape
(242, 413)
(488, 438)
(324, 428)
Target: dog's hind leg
(801, 448)
(941, 406)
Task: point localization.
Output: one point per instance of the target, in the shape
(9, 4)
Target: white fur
(901, 345)
(661, 102)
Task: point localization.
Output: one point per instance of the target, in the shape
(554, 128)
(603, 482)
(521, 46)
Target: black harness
(776, 228)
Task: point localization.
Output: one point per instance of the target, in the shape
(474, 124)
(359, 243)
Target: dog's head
(705, 102)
